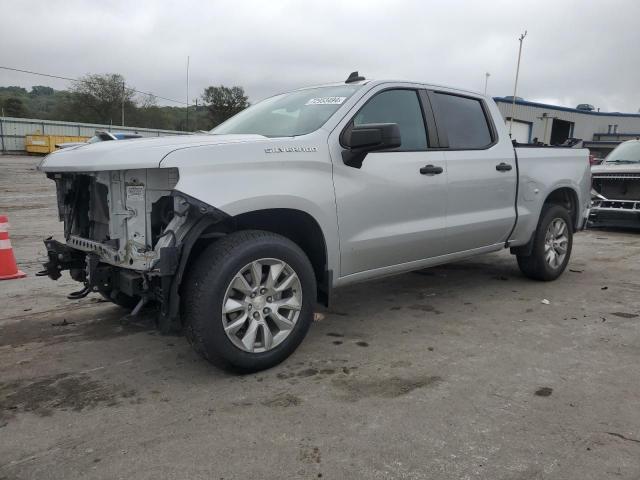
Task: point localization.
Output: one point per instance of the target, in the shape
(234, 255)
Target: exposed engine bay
(118, 215)
(125, 231)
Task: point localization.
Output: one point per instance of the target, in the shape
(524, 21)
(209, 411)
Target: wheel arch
(298, 226)
(566, 197)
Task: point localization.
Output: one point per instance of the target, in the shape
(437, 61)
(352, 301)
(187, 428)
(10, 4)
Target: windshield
(289, 114)
(627, 152)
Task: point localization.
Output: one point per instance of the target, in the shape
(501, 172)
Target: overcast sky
(575, 52)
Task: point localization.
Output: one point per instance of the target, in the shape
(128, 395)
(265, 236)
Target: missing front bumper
(89, 270)
(615, 213)
(102, 269)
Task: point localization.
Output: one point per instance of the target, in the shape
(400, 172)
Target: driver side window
(397, 106)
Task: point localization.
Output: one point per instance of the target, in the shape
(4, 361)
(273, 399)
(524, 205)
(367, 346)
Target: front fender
(239, 180)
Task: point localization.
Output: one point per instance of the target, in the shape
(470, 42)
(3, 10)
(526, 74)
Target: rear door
(391, 211)
(481, 170)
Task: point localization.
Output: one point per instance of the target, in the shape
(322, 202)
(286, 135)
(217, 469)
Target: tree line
(100, 98)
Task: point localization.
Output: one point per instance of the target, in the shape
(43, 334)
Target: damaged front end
(615, 199)
(128, 235)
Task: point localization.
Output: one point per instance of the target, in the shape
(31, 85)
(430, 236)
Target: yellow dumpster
(47, 143)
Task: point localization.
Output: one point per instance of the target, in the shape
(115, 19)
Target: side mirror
(362, 139)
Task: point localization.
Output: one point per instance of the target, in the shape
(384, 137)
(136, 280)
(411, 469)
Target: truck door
(391, 210)
(482, 176)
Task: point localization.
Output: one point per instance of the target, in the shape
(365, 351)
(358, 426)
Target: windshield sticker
(326, 101)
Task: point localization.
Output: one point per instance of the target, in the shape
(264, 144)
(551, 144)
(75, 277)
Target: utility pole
(486, 81)
(187, 93)
(122, 104)
(515, 86)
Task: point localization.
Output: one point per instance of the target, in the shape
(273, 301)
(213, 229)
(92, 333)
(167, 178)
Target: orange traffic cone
(8, 267)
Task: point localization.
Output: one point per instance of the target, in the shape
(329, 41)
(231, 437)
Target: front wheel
(248, 302)
(552, 245)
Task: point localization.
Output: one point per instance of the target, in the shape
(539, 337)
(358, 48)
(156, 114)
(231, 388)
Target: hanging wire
(82, 80)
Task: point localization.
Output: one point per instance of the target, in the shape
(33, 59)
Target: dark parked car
(616, 188)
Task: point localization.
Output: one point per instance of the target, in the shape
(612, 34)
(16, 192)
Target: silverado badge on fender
(290, 149)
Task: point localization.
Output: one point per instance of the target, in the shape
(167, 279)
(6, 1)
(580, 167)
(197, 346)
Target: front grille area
(619, 186)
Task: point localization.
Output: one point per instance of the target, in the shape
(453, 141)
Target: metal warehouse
(554, 125)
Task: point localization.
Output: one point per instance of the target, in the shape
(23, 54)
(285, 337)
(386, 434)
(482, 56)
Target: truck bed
(542, 170)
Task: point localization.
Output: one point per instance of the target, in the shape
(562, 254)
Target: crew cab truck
(235, 235)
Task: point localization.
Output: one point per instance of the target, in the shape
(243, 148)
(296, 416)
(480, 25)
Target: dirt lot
(455, 372)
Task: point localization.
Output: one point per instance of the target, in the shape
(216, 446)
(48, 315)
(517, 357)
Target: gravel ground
(455, 372)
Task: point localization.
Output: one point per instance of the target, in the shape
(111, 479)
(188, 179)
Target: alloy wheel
(556, 243)
(262, 305)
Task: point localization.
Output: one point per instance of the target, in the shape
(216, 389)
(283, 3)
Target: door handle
(430, 170)
(503, 167)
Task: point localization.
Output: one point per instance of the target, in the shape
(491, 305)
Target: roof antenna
(515, 85)
(354, 77)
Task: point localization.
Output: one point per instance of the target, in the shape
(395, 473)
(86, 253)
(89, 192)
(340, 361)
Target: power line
(89, 82)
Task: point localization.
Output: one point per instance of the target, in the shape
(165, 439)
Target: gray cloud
(576, 51)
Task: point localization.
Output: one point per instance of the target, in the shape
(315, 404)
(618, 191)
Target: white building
(553, 125)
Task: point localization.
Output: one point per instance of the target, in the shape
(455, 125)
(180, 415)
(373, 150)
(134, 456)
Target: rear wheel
(248, 302)
(552, 245)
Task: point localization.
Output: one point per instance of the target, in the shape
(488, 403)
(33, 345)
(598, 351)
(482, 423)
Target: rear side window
(464, 121)
(401, 107)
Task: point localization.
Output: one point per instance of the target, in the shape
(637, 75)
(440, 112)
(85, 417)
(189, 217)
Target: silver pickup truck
(235, 235)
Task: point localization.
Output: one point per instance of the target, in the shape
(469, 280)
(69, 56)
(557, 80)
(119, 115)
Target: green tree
(83, 105)
(13, 90)
(98, 98)
(224, 102)
(41, 90)
(13, 107)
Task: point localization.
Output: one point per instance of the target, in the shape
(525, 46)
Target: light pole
(123, 104)
(486, 81)
(515, 85)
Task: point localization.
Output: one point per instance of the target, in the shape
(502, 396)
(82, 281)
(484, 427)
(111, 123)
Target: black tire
(205, 287)
(122, 300)
(535, 265)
